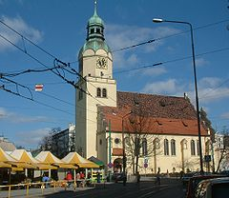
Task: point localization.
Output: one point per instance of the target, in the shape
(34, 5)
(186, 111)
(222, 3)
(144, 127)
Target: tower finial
(95, 10)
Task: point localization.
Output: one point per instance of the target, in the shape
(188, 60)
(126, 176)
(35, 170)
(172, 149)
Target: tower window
(92, 30)
(104, 93)
(97, 30)
(98, 92)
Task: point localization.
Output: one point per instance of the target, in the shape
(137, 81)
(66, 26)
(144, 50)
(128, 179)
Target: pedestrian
(45, 179)
(158, 179)
(138, 177)
(98, 177)
(69, 178)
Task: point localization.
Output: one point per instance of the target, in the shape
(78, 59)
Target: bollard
(9, 192)
(27, 189)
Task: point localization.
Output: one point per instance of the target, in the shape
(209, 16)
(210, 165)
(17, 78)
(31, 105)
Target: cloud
(16, 118)
(20, 26)
(31, 139)
(225, 116)
(201, 62)
(171, 86)
(122, 36)
(212, 89)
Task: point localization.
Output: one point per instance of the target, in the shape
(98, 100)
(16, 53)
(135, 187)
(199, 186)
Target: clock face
(101, 63)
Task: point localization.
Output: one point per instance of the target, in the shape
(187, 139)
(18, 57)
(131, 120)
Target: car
(118, 177)
(186, 177)
(195, 180)
(213, 188)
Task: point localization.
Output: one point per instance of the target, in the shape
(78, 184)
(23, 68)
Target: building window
(166, 147)
(197, 147)
(144, 147)
(173, 147)
(97, 30)
(104, 93)
(117, 141)
(98, 92)
(193, 152)
(92, 30)
(156, 143)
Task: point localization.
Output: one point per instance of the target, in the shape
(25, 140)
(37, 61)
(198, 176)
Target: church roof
(161, 114)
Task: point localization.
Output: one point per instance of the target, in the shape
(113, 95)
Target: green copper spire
(95, 38)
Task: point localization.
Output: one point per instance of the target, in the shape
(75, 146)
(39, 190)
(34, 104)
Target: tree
(207, 123)
(47, 143)
(223, 150)
(139, 140)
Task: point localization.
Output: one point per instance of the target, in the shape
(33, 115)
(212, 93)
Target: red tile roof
(154, 114)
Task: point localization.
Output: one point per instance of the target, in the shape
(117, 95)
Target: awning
(96, 161)
(4, 165)
(74, 158)
(67, 166)
(46, 167)
(23, 165)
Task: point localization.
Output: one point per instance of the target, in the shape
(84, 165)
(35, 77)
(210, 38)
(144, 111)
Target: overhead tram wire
(169, 61)
(161, 38)
(133, 46)
(34, 58)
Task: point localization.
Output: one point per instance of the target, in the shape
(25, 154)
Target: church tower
(96, 87)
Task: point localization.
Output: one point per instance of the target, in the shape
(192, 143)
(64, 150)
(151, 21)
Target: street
(167, 188)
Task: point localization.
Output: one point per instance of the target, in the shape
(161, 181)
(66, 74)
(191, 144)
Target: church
(132, 132)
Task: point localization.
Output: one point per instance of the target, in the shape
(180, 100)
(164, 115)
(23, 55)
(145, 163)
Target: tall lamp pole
(195, 80)
(123, 143)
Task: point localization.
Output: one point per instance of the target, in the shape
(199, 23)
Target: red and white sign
(38, 87)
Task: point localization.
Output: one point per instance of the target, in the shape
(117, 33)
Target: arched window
(198, 147)
(193, 152)
(166, 147)
(207, 147)
(173, 147)
(104, 93)
(144, 147)
(98, 92)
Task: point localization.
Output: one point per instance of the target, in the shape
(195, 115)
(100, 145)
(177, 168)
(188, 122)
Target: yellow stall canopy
(75, 159)
(46, 157)
(4, 165)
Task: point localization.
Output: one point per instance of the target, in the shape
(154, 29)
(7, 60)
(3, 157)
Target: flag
(38, 87)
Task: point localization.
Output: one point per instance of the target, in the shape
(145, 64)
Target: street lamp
(195, 80)
(123, 143)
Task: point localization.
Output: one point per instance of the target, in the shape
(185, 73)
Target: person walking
(138, 177)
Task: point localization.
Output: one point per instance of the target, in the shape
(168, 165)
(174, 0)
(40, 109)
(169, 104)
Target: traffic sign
(110, 165)
(207, 158)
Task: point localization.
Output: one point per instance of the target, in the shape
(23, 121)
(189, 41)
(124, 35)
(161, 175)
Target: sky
(33, 33)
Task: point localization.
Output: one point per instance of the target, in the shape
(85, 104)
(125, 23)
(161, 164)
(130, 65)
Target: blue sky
(59, 27)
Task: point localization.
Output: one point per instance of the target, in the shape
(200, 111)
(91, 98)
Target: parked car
(118, 177)
(186, 177)
(213, 188)
(195, 180)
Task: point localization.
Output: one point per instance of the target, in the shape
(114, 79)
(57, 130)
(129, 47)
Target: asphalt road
(168, 188)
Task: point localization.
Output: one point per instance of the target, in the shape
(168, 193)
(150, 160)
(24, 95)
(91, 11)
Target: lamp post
(123, 143)
(195, 81)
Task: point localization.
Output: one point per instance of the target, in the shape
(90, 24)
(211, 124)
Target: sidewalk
(38, 192)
